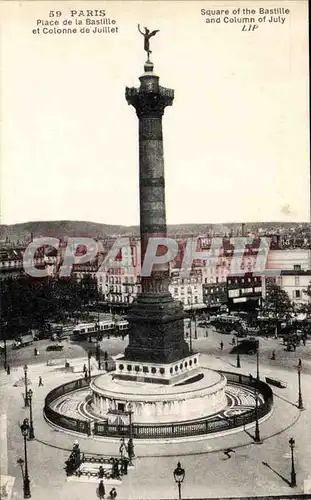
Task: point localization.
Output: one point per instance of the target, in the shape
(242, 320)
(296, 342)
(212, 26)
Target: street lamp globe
(292, 442)
(25, 427)
(179, 473)
(25, 369)
(30, 393)
(20, 462)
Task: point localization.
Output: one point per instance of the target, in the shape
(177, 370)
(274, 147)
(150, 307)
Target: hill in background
(61, 229)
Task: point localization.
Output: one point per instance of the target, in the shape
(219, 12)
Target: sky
(235, 140)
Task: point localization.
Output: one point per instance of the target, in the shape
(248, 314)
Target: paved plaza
(252, 469)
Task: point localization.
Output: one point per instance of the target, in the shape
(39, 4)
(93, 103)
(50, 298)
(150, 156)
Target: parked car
(55, 347)
(248, 345)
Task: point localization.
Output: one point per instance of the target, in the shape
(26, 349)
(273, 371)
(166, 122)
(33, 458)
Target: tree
(306, 308)
(33, 303)
(277, 300)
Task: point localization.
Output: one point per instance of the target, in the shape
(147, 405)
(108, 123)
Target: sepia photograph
(155, 250)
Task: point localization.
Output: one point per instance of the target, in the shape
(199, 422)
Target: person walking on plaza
(228, 452)
(40, 383)
(221, 345)
(8, 369)
(130, 449)
(101, 472)
(101, 489)
(113, 494)
(273, 355)
(115, 474)
(122, 448)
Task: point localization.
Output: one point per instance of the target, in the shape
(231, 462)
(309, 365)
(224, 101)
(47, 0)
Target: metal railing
(160, 431)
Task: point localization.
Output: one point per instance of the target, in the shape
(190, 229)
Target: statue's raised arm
(147, 35)
(140, 31)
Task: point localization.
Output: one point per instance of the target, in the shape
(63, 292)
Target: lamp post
(5, 354)
(257, 432)
(190, 337)
(195, 325)
(293, 482)
(257, 363)
(26, 486)
(179, 476)
(98, 345)
(300, 402)
(130, 412)
(193, 316)
(238, 361)
(89, 355)
(26, 386)
(31, 433)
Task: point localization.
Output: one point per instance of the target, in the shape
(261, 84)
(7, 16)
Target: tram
(102, 329)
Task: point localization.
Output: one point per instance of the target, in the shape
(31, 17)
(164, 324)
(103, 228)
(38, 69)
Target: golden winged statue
(147, 35)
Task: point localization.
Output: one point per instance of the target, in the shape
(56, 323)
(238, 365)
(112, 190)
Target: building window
(297, 267)
(297, 281)
(297, 294)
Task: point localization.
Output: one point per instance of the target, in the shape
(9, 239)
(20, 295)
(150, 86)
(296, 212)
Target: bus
(228, 324)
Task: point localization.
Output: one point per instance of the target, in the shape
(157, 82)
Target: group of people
(102, 491)
(119, 467)
(126, 448)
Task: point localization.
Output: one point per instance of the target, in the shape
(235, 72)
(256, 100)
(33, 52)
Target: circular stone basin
(158, 403)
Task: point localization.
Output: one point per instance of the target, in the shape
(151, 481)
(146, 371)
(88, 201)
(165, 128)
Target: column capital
(150, 99)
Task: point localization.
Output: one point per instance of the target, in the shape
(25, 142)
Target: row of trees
(28, 303)
(277, 301)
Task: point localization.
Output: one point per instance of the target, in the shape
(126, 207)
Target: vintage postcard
(155, 250)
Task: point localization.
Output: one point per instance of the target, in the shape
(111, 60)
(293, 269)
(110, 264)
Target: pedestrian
(122, 447)
(106, 366)
(101, 472)
(113, 494)
(273, 355)
(40, 384)
(85, 375)
(130, 449)
(84, 368)
(106, 355)
(228, 452)
(8, 369)
(115, 468)
(221, 345)
(101, 489)
(124, 465)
